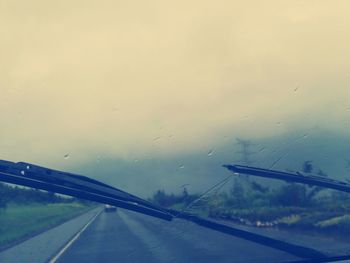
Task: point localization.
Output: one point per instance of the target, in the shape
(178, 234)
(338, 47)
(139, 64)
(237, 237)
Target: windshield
(173, 108)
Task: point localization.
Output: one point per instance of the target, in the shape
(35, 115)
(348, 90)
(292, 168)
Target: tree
(3, 201)
(291, 195)
(307, 167)
(294, 194)
(237, 194)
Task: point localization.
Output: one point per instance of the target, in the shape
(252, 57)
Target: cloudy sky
(135, 79)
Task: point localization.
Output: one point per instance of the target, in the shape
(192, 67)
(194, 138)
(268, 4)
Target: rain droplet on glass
(210, 153)
(262, 149)
(66, 156)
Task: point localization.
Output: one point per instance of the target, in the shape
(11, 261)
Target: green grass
(340, 223)
(18, 222)
(334, 221)
(327, 219)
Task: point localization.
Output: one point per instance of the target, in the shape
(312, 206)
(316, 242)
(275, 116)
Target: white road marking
(77, 235)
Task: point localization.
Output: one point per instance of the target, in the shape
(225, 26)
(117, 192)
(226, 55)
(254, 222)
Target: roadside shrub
(3, 201)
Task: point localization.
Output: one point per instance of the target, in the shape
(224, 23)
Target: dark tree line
(20, 195)
(250, 193)
(289, 194)
(167, 200)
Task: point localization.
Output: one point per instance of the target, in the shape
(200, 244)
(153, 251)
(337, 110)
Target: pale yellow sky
(132, 78)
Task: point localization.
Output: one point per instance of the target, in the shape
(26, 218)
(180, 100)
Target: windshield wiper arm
(77, 186)
(298, 177)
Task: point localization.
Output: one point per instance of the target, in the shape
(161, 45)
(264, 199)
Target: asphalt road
(129, 237)
(42, 247)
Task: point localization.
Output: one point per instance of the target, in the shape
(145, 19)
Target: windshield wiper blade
(297, 177)
(30, 175)
(83, 182)
(296, 250)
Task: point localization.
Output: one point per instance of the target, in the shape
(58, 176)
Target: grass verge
(19, 222)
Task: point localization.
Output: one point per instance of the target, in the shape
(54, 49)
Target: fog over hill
(200, 170)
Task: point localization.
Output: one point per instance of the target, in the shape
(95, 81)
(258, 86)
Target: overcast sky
(153, 78)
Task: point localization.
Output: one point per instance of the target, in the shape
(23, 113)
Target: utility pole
(245, 157)
(245, 151)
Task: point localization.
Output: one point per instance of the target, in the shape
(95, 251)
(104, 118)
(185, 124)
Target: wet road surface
(125, 236)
